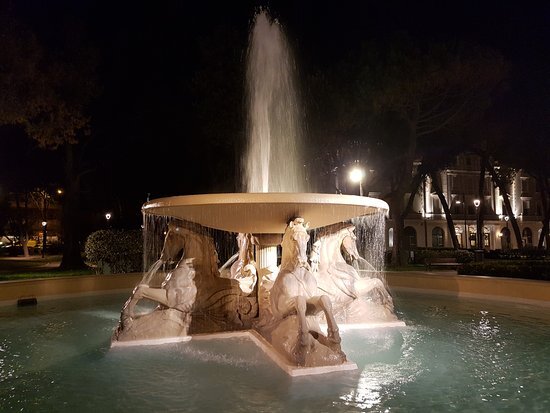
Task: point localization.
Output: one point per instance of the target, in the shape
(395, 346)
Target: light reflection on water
(454, 355)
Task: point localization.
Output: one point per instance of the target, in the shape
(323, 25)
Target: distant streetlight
(44, 234)
(108, 217)
(356, 175)
(59, 191)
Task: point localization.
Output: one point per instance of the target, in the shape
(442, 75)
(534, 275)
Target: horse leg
(322, 303)
(301, 306)
(143, 291)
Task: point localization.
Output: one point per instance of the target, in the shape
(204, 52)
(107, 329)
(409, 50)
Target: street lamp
(108, 217)
(356, 175)
(44, 233)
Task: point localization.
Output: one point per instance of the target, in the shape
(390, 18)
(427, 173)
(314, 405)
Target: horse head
(245, 247)
(174, 242)
(294, 244)
(349, 241)
(194, 245)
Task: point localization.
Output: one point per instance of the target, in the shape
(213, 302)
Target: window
(524, 185)
(410, 238)
(526, 203)
(527, 236)
(472, 236)
(505, 238)
(437, 237)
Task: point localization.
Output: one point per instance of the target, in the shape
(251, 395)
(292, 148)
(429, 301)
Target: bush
(529, 253)
(462, 256)
(534, 270)
(113, 252)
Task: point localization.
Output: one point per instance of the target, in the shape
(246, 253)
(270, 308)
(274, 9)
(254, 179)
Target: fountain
(283, 307)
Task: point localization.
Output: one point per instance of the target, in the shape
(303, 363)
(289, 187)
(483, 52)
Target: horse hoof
(334, 336)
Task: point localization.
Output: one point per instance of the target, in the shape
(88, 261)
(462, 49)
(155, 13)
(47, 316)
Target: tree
(56, 88)
(429, 90)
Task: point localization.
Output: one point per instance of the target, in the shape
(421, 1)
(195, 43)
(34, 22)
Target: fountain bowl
(266, 212)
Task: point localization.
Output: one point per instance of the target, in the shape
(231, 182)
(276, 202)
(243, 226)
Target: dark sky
(146, 132)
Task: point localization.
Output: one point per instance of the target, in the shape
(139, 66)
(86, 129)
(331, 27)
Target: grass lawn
(24, 268)
(44, 274)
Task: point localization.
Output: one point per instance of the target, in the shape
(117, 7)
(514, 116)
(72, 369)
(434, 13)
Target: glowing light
(44, 223)
(477, 203)
(108, 216)
(356, 175)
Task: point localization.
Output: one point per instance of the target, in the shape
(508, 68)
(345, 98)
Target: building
(426, 225)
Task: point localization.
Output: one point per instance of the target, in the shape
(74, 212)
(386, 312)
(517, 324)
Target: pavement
(31, 263)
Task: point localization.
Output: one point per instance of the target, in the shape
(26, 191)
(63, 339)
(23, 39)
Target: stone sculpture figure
(192, 296)
(355, 298)
(243, 267)
(295, 301)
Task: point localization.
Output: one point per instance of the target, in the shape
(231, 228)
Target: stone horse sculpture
(295, 301)
(243, 268)
(355, 299)
(192, 291)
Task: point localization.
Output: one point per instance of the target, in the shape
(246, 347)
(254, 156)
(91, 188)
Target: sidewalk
(22, 264)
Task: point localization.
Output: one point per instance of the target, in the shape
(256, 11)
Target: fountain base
(280, 361)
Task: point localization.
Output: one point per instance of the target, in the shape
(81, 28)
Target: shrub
(535, 270)
(113, 252)
(462, 256)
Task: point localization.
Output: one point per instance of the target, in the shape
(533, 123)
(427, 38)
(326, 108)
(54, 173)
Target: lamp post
(356, 175)
(108, 217)
(44, 234)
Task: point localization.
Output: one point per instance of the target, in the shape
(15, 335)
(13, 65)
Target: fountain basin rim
(264, 213)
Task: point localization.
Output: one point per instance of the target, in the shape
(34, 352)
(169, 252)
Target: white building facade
(426, 225)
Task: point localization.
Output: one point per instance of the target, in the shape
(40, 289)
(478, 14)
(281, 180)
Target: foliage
(20, 57)
(43, 274)
(535, 270)
(462, 256)
(113, 251)
(515, 254)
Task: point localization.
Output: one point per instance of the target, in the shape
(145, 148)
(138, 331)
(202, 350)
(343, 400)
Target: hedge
(534, 270)
(113, 251)
(462, 256)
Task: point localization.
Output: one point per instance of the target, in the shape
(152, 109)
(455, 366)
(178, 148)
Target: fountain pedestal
(291, 332)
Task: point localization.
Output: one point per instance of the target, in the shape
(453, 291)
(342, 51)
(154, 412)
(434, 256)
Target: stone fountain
(293, 309)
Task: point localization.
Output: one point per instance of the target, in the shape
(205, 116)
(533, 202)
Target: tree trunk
(506, 198)
(398, 229)
(480, 235)
(445, 205)
(72, 258)
(399, 189)
(545, 200)
(23, 223)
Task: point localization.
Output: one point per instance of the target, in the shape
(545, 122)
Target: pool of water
(454, 355)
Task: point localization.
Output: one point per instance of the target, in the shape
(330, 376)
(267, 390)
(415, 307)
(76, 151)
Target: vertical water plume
(274, 125)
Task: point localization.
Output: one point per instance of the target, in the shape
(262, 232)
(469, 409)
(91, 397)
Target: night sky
(148, 135)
